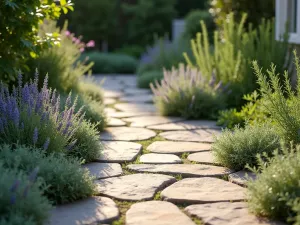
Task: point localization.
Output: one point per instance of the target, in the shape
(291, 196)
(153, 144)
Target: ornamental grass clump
(276, 191)
(186, 92)
(239, 147)
(66, 180)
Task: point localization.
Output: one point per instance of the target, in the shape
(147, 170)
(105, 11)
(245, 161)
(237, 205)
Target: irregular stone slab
(133, 187)
(104, 170)
(186, 125)
(135, 91)
(177, 148)
(138, 98)
(135, 107)
(129, 114)
(186, 170)
(143, 121)
(119, 151)
(202, 157)
(112, 94)
(109, 101)
(108, 110)
(242, 177)
(92, 210)
(191, 135)
(115, 122)
(153, 158)
(203, 190)
(126, 134)
(227, 213)
(156, 213)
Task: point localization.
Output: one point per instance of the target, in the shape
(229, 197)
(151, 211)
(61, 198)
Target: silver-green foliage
(67, 181)
(238, 147)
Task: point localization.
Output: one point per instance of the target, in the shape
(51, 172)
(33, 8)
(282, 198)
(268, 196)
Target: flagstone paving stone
(203, 190)
(115, 122)
(135, 107)
(135, 187)
(109, 101)
(206, 157)
(108, 110)
(153, 158)
(227, 213)
(137, 98)
(188, 135)
(185, 125)
(172, 147)
(143, 121)
(119, 151)
(126, 134)
(129, 114)
(93, 210)
(241, 177)
(135, 91)
(156, 213)
(185, 170)
(104, 170)
(112, 94)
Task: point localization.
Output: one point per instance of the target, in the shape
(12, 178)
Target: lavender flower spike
(46, 144)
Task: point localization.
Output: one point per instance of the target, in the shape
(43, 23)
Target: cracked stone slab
(112, 94)
(143, 121)
(138, 98)
(119, 151)
(115, 122)
(186, 125)
(227, 213)
(188, 135)
(186, 170)
(241, 177)
(203, 190)
(153, 158)
(135, 187)
(126, 134)
(135, 91)
(206, 157)
(129, 114)
(135, 107)
(156, 213)
(172, 147)
(89, 211)
(109, 101)
(104, 170)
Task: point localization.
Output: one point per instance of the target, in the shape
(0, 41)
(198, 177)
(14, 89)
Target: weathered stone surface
(153, 158)
(185, 125)
(135, 107)
(186, 170)
(109, 101)
(188, 135)
(156, 213)
(127, 80)
(241, 177)
(133, 187)
(112, 94)
(202, 157)
(143, 121)
(129, 114)
(115, 122)
(108, 110)
(92, 210)
(172, 147)
(104, 170)
(135, 91)
(119, 151)
(137, 98)
(227, 213)
(203, 190)
(126, 134)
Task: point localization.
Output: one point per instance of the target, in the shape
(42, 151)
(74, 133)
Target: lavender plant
(186, 92)
(33, 117)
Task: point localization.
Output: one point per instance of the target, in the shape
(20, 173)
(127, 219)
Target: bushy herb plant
(186, 92)
(148, 77)
(238, 147)
(66, 180)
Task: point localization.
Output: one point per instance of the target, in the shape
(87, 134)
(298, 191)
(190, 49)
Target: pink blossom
(90, 44)
(77, 41)
(67, 33)
(74, 39)
(81, 49)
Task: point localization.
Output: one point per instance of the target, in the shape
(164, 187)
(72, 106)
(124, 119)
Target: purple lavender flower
(15, 186)
(71, 145)
(1, 126)
(46, 144)
(33, 175)
(16, 117)
(35, 135)
(13, 199)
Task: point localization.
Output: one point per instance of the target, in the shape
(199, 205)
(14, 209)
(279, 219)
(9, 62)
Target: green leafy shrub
(238, 148)
(132, 50)
(233, 52)
(144, 80)
(192, 23)
(256, 10)
(67, 181)
(91, 90)
(184, 7)
(21, 198)
(275, 192)
(284, 102)
(185, 92)
(19, 33)
(111, 62)
(61, 62)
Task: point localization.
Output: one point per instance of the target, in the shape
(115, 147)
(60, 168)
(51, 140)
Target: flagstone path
(157, 170)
